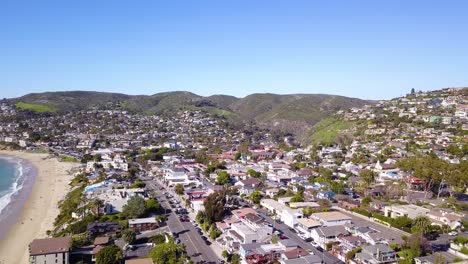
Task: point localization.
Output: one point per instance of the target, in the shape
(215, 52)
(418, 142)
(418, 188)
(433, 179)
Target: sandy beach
(40, 209)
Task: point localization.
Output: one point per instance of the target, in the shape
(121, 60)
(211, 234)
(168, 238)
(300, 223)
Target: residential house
(410, 210)
(377, 254)
(444, 217)
(290, 216)
(332, 218)
(294, 253)
(143, 224)
(103, 228)
(248, 185)
(272, 192)
(306, 225)
(308, 259)
(325, 235)
(244, 234)
(50, 250)
(139, 261)
(347, 244)
(325, 195)
(99, 243)
(272, 206)
(266, 253)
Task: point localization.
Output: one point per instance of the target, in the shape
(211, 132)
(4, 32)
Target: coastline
(37, 215)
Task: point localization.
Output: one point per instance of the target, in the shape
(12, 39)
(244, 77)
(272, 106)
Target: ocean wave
(22, 170)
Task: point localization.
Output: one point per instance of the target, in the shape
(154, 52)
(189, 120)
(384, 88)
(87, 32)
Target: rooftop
(142, 221)
(139, 261)
(331, 216)
(49, 246)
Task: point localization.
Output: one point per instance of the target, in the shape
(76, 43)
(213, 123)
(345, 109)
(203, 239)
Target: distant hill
(293, 113)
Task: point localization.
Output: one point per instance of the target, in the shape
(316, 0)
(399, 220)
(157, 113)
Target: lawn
(35, 107)
(326, 130)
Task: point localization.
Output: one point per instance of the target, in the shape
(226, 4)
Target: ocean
(16, 178)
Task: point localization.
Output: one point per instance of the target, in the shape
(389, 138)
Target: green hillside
(294, 113)
(35, 107)
(327, 130)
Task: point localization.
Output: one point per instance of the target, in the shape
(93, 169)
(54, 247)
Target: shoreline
(39, 207)
(17, 199)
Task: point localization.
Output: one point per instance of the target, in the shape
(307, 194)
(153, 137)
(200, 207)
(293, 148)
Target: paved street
(326, 257)
(195, 246)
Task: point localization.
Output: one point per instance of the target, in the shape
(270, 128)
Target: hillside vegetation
(35, 107)
(289, 114)
(327, 130)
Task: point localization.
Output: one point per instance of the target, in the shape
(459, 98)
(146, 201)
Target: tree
(414, 246)
(430, 169)
(166, 253)
(214, 232)
(223, 178)
(413, 91)
(366, 201)
(274, 239)
(129, 236)
(254, 173)
(255, 197)
(235, 259)
(179, 189)
(96, 205)
(214, 206)
(297, 198)
(367, 176)
(422, 224)
(324, 203)
(152, 206)
(161, 218)
(109, 255)
(134, 208)
(225, 254)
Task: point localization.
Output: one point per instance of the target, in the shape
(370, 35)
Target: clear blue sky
(368, 49)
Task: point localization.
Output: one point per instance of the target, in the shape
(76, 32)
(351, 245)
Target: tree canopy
(223, 178)
(135, 207)
(109, 255)
(166, 253)
(214, 206)
(179, 189)
(254, 173)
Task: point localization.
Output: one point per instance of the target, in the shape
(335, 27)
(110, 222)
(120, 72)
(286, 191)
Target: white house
(325, 235)
(332, 218)
(290, 216)
(410, 210)
(306, 225)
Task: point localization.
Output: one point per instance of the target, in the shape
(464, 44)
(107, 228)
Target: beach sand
(40, 209)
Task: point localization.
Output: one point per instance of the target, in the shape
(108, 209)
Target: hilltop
(289, 114)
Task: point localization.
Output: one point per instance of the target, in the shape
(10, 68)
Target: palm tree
(129, 236)
(96, 205)
(422, 223)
